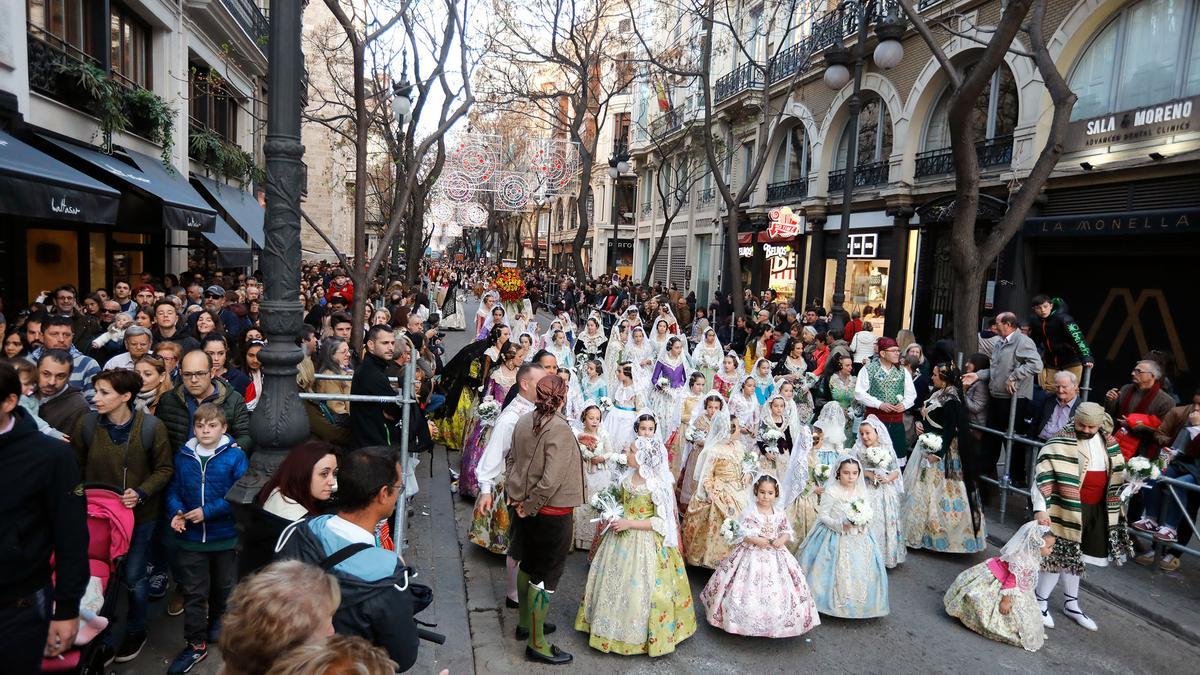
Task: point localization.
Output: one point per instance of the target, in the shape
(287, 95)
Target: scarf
(1059, 475)
(1143, 404)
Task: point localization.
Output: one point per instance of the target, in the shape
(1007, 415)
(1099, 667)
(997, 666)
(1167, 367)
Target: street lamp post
(402, 105)
(617, 165)
(280, 422)
(887, 54)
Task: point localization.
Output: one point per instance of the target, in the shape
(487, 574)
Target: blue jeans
(136, 581)
(436, 401)
(1158, 503)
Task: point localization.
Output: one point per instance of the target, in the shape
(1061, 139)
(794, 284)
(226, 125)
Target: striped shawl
(1060, 469)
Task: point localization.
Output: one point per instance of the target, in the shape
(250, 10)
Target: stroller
(110, 526)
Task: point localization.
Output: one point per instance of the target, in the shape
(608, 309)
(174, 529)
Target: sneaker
(158, 583)
(1146, 558)
(192, 654)
(1166, 533)
(1146, 525)
(131, 646)
(1169, 563)
(175, 604)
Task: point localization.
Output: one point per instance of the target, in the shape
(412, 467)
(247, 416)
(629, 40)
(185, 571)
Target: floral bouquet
(696, 435)
(1138, 470)
(607, 503)
(877, 456)
(605, 404)
(663, 383)
(749, 462)
(731, 530)
(931, 441)
(860, 513)
(510, 284)
(821, 473)
(589, 446)
(488, 411)
(771, 437)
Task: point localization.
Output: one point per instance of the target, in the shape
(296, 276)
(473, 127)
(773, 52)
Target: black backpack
(422, 595)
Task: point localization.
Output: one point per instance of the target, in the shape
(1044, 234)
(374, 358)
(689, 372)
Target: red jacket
(852, 327)
(346, 292)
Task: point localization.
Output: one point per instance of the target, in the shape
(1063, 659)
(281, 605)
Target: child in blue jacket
(206, 467)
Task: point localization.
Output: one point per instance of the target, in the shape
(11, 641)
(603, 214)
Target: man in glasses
(84, 326)
(214, 300)
(1143, 396)
(177, 406)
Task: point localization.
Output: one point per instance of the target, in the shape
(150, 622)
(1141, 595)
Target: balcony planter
(150, 117)
(223, 157)
(98, 94)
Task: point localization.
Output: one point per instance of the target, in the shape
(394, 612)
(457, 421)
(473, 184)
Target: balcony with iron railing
(251, 19)
(993, 152)
(866, 174)
(744, 77)
(787, 191)
(706, 196)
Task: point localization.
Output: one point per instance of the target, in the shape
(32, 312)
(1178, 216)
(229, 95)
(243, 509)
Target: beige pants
(1046, 379)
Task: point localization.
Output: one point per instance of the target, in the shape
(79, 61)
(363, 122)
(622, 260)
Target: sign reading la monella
(1130, 126)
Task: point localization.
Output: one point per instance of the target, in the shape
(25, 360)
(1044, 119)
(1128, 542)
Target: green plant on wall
(105, 100)
(223, 157)
(156, 115)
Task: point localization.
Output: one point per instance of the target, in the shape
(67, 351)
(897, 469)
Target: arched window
(995, 112)
(1148, 54)
(791, 161)
(874, 134)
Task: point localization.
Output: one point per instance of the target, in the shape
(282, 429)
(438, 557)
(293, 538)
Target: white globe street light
(888, 54)
(837, 76)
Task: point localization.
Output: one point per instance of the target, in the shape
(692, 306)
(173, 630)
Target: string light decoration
(474, 170)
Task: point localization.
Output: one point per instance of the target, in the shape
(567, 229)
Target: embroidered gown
(774, 463)
(707, 360)
(618, 421)
(679, 446)
(802, 512)
(746, 410)
(454, 431)
(665, 403)
(637, 599)
(974, 599)
(760, 591)
(477, 434)
(937, 515)
(589, 347)
(687, 473)
(843, 393)
(845, 570)
(727, 383)
(721, 494)
(886, 499)
(595, 390)
(596, 477)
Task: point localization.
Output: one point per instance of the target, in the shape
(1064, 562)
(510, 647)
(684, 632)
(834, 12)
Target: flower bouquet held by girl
(721, 480)
(996, 597)
(759, 588)
(885, 488)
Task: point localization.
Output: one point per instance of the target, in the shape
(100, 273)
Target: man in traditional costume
(1079, 476)
(886, 390)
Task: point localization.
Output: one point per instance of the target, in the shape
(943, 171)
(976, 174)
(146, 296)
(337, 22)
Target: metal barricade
(1172, 487)
(403, 399)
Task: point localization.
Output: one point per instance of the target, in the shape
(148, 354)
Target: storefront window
(866, 288)
(780, 261)
(1149, 53)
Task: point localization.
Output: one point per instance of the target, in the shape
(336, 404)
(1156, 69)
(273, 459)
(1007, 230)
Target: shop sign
(1131, 224)
(1141, 124)
(864, 245)
(784, 224)
(745, 251)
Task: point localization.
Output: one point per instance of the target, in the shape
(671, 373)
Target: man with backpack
(379, 598)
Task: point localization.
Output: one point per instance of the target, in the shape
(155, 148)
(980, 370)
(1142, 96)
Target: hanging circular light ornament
(475, 158)
(473, 214)
(457, 187)
(514, 192)
(441, 211)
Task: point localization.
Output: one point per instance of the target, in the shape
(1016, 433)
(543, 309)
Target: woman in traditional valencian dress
(743, 404)
(721, 482)
(627, 401)
(677, 444)
(937, 507)
(885, 486)
(483, 312)
(838, 385)
(600, 470)
(463, 379)
(662, 333)
(759, 589)
(452, 315)
(800, 490)
(495, 317)
(640, 352)
(840, 559)
(729, 378)
(594, 384)
(637, 599)
(561, 350)
(614, 352)
(699, 433)
(776, 418)
(665, 393)
(590, 345)
(500, 380)
(706, 357)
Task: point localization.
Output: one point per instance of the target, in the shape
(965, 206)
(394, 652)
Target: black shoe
(547, 628)
(510, 603)
(103, 657)
(557, 656)
(131, 646)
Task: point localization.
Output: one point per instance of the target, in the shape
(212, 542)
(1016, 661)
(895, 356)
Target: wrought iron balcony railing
(787, 190)
(251, 19)
(705, 196)
(991, 153)
(866, 174)
(744, 77)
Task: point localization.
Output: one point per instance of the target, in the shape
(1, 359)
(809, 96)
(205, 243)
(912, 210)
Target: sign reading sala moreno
(1130, 126)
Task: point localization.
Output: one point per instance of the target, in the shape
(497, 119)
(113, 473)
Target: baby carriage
(110, 526)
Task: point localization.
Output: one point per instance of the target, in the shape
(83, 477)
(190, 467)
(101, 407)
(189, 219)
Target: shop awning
(182, 207)
(232, 250)
(35, 185)
(238, 205)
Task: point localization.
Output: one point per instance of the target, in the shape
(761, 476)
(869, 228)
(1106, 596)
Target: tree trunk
(662, 238)
(734, 282)
(965, 321)
(585, 226)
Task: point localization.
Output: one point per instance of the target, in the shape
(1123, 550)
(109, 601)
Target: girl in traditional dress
(700, 433)
(500, 380)
(743, 405)
(600, 471)
(481, 315)
(840, 559)
(640, 352)
(937, 507)
(637, 599)
(706, 357)
(590, 345)
(759, 589)
(801, 491)
(594, 384)
(838, 385)
(662, 333)
(526, 347)
(885, 488)
(678, 443)
(832, 425)
(793, 366)
(765, 384)
(561, 350)
(729, 378)
(614, 353)
(568, 327)
(494, 318)
(996, 597)
(721, 482)
(627, 400)
(452, 305)
(574, 404)
(776, 419)
(548, 336)
(667, 380)
(463, 380)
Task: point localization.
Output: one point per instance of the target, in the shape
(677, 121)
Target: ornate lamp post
(617, 165)
(402, 105)
(280, 422)
(887, 54)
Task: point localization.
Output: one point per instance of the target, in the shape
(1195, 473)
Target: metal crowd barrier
(1160, 547)
(404, 399)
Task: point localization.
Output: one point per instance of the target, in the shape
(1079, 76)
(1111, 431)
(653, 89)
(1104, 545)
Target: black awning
(232, 250)
(182, 207)
(35, 185)
(238, 205)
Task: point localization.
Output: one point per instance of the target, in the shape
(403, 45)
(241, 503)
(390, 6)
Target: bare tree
(360, 110)
(971, 256)
(750, 46)
(562, 57)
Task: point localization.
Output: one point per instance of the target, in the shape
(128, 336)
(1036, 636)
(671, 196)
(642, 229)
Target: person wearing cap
(214, 300)
(341, 285)
(144, 295)
(1080, 473)
(886, 390)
